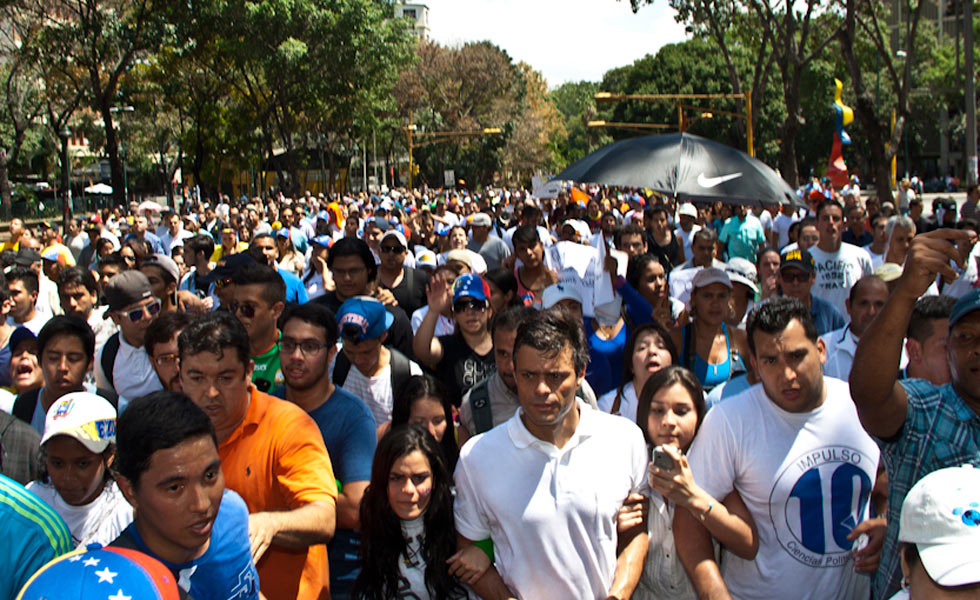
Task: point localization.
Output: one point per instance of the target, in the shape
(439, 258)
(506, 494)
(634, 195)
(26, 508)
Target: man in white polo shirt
(546, 485)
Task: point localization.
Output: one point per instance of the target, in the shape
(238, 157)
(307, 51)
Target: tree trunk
(788, 166)
(4, 187)
(112, 150)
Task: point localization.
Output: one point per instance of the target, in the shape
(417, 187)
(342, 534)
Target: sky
(566, 40)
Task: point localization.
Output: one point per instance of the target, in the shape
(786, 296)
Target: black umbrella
(686, 167)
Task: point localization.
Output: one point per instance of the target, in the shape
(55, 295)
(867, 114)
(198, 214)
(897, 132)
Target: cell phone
(662, 460)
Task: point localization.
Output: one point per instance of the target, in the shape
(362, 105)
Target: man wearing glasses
(797, 274)
(307, 348)
(122, 364)
(407, 284)
(161, 346)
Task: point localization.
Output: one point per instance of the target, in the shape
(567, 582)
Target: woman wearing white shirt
(650, 349)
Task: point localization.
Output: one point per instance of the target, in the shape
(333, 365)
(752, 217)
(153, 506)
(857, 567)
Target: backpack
(26, 403)
(480, 403)
(108, 360)
(401, 370)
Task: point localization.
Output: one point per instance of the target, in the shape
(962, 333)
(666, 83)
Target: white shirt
(132, 373)
(841, 344)
(806, 479)
(100, 521)
(102, 325)
(375, 391)
(687, 238)
(838, 271)
(35, 324)
(627, 404)
(780, 225)
(170, 242)
(444, 326)
(550, 511)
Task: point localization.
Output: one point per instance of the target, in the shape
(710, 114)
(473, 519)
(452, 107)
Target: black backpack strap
(480, 405)
(25, 404)
(341, 368)
(401, 371)
(108, 359)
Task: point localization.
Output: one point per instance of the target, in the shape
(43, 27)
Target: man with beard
(307, 348)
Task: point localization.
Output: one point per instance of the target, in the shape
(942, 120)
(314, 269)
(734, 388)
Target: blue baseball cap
(323, 240)
(471, 286)
(363, 318)
(443, 229)
(95, 572)
(964, 306)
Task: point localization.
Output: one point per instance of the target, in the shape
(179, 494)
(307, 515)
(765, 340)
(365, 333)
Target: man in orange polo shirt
(272, 454)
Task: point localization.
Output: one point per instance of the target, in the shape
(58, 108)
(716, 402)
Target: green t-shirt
(267, 375)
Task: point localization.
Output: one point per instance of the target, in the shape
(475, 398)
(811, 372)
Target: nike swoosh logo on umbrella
(710, 182)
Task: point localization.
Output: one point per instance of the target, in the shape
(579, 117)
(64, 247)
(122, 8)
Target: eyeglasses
(306, 347)
(163, 359)
(797, 277)
(247, 310)
(465, 305)
(136, 315)
(392, 249)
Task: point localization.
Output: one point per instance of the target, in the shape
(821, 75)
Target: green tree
(574, 101)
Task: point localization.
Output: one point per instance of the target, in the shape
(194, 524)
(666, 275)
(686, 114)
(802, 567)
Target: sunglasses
(798, 277)
(246, 310)
(136, 315)
(392, 249)
(465, 305)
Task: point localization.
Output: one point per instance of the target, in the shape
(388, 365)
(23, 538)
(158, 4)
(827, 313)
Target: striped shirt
(32, 534)
(940, 431)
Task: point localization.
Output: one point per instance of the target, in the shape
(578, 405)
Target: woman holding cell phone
(671, 408)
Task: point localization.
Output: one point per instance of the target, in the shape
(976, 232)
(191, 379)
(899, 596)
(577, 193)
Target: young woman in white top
(77, 448)
(408, 543)
(649, 349)
(671, 408)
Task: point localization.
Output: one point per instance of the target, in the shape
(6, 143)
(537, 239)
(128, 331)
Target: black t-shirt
(461, 367)
(410, 291)
(667, 255)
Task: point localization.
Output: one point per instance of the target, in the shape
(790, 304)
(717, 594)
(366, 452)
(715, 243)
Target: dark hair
(637, 265)
(202, 242)
(774, 315)
(213, 332)
(503, 279)
(163, 328)
(114, 259)
(259, 236)
(382, 542)
(526, 234)
(65, 325)
(650, 327)
(351, 246)
(551, 331)
(24, 275)
(416, 388)
(511, 317)
(78, 276)
(631, 229)
(154, 422)
(705, 234)
(652, 211)
(867, 279)
(314, 314)
(666, 377)
(824, 205)
(926, 311)
(253, 273)
(763, 252)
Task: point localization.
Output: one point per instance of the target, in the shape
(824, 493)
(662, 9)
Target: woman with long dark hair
(424, 401)
(407, 521)
(648, 350)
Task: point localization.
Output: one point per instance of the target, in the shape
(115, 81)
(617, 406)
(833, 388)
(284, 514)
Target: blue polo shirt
(295, 290)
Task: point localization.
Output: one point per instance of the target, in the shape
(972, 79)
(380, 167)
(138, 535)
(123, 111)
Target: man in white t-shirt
(780, 224)
(795, 451)
(367, 368)
(547, 484)
(839, 265)
(687, 216)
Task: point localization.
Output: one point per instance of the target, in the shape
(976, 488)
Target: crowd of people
(403, 395)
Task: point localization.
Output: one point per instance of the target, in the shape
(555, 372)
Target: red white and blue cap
(363, 318)
(471, 286)
(96, 572)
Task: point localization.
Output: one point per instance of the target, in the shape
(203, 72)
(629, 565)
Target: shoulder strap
(685, 347)
(401, 370)
(480, 403)
(108, 360)
(341, 368)
(24, 405)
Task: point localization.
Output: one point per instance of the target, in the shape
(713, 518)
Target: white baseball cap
(741, 270)
(709, 275)
(397, 235)
(556, 292)
(84, 416)
(687, 210)
(941, 516)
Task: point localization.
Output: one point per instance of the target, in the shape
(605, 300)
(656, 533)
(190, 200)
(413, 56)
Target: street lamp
(64, 134)
(122, 148)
